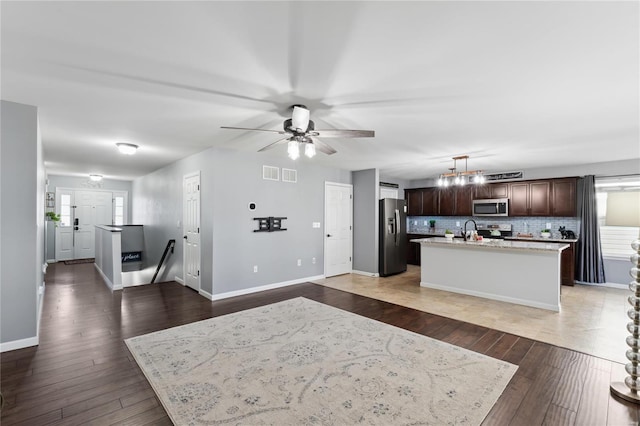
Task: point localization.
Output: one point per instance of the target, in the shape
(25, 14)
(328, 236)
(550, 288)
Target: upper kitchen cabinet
(491, 190)
(464, 197)
(430, 202)
(563, 197)
(531, 198)
(414, 201)
(447, 201)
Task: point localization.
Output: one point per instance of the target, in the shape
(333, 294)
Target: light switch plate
(316, 224)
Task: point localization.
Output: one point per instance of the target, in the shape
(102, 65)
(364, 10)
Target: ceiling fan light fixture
(127, 148)
(300, 118)
(309, 150)
(293, 149)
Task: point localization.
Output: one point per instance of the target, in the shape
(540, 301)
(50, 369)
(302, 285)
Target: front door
(338, 219)
(191, 226)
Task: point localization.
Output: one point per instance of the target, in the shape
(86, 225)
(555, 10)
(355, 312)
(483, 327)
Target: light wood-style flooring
(82, 372)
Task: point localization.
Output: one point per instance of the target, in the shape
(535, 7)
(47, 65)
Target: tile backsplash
(420, 224)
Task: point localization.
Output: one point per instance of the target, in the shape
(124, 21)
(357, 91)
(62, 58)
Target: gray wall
(22, 221)
(230, 180)
(402, 184)
(366, 193)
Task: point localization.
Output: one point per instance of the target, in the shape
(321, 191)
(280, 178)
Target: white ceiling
(515, 85)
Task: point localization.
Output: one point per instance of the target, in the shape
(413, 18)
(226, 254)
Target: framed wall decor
(50, 199)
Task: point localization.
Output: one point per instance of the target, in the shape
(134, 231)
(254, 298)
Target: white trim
(608, 285)
(493, 296)
(107, 281)
(367, 274)
(51, 261)
(205, 294)
(178, 280)
(40, 304)
(264, 287)
(19, 344)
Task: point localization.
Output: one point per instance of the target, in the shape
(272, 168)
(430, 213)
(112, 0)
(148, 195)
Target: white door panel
(64, 229)
(191, 226)
(338, 229)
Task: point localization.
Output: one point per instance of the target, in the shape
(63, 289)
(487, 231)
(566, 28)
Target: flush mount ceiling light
(127, 148)
(460, 178)
(95, 178)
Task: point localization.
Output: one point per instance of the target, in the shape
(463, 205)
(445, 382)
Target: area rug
(79, 261)
(301, 362)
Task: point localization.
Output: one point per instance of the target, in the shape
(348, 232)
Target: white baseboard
(368, 274)
(178, 280)
(264, 287)
(19, 344)
(51, 261)
(608, 285)
(107, 281)
(206, 294)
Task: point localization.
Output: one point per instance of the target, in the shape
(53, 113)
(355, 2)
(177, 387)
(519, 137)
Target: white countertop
(557, 240)
(494, 244)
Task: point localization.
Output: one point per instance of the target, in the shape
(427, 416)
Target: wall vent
(289, 175)
(270, 173)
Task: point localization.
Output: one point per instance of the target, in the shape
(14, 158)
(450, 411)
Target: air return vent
(270, 173)
(289, 175)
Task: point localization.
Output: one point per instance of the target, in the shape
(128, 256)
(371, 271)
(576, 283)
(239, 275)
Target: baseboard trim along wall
(107, 281)
(367, 274)
(609, 285)
(178, 280)
(206, 294)
(261, 288)
(19, 344)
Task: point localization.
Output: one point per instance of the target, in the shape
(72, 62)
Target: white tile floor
(592, 320)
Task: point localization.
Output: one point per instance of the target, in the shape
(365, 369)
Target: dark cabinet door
(568, 265)
(499, 190)
(414, 201)
(540, 198)
(464, 197)
(519, 200)
(413, 250)
(447, 200)
(482, 192)
(563, 197)
(430, 202)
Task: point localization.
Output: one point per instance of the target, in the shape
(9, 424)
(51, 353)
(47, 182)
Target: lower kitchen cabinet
(413, 249)
(568, 265)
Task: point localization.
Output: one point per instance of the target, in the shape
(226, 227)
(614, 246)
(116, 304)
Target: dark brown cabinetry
(563, 197)
(568, 265)
(542, 197)
(530, 198)
(413, 250)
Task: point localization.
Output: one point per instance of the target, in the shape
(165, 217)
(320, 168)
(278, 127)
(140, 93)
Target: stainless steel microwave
(492, 207)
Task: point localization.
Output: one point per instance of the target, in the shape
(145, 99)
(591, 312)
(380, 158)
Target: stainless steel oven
(491, 207)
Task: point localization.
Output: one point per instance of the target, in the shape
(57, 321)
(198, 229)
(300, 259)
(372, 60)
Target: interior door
(338, 218)
(84, 221)
(191, 226)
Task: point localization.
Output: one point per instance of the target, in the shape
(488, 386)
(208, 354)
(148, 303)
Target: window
(119, 208)
(618, 203)
(65, 210)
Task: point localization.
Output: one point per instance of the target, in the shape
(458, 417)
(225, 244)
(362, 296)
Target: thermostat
(252, 206)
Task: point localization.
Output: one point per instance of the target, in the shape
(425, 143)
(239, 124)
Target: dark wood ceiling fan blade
(280, 132)
(323, 147)
(273, 145)
(338, 133)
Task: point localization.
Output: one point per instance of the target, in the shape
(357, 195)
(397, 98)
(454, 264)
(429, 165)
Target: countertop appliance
(495, 230)
(491, 207)
(393, 237)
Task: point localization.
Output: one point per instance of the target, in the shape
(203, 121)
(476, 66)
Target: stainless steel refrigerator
(393, 236)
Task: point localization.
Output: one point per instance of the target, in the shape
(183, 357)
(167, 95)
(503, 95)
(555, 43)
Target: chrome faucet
(475, 226)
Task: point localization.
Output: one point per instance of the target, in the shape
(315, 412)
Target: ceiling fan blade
(323, 147)
(337, 133)
(300, 118)
(273, 145)
(255, 130)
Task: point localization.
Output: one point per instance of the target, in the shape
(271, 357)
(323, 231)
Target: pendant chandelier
(454, 177)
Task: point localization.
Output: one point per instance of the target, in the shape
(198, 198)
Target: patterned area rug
(302, 362)
(79, 261)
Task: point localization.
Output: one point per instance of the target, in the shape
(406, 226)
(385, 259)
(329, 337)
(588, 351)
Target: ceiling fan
(300, 131)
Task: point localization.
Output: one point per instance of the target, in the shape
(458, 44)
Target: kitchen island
(521, 272)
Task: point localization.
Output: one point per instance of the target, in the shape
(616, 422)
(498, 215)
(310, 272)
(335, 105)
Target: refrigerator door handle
(395, 237)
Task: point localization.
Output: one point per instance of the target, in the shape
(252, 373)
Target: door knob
(328, 235)
(185, 237)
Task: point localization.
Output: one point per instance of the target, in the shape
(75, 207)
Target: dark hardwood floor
(82, 372)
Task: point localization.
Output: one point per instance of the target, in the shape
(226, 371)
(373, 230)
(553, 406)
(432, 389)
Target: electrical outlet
(425, 223)
(457, 223)
(313, 260)
(415, 222)
(255, 268)
(299, 262)
(548, 225)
